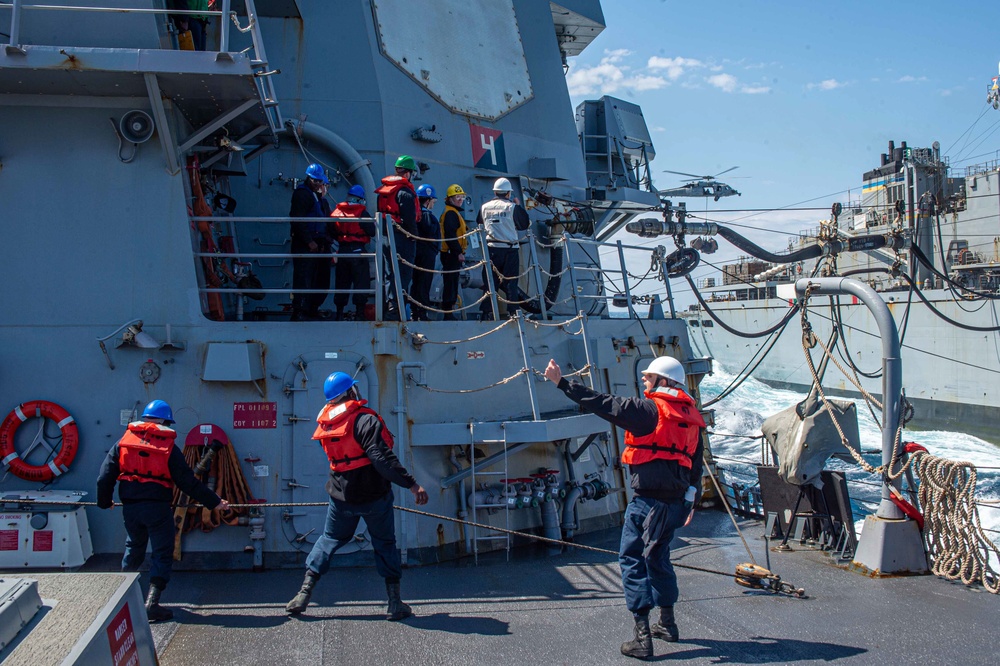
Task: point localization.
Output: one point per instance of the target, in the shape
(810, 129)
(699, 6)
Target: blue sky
(802, 96)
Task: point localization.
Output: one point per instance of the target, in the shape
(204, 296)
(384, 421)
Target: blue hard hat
(315, 171)
(426, 192)
(337, 384)
(356, 191)
(158, 409)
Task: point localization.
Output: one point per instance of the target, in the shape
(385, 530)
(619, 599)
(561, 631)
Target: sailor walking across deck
(362, 471)
(146, 464)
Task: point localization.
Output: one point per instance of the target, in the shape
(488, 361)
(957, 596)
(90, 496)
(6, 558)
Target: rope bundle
(956, 543)
(230, 484)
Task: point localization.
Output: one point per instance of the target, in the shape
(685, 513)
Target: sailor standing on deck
(429, 230)
(503, 217)
(397, 199)
(352, 235)
(310, 236)
(362, 471)
(453, 244)
(145, 464)
(663, 449)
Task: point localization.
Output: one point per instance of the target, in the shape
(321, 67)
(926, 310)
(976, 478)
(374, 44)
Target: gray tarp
(803, 444)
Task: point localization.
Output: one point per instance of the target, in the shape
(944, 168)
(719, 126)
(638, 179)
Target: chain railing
(497, 290)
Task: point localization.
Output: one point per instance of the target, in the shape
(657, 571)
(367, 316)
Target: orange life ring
(67, 451)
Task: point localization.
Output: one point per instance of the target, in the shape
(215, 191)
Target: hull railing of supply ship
(253, 121)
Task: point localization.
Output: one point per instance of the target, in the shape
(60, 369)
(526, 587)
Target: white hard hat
(502, 185)
(666, 366)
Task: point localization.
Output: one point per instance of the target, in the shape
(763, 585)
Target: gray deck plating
(569, 610)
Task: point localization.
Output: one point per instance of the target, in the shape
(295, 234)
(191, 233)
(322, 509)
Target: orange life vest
(677, 430)
(143, 453)
(387, 203)
(345, 229)
(335, 431)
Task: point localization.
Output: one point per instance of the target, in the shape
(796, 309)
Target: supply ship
(941, 284)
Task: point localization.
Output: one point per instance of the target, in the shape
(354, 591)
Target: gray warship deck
(569, 609)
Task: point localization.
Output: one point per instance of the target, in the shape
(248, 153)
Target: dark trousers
(352, 273)
(147, 522)
(449, 294)
(341, 523)
(309, 273)
(649, 581)
(423, 277)
(507, 261)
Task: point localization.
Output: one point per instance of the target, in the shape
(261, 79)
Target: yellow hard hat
(454, 190)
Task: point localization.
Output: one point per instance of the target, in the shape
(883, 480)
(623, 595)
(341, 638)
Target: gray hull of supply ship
(941, 286)
(130, 249)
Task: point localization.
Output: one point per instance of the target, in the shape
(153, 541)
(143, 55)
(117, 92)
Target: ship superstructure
(145, 196)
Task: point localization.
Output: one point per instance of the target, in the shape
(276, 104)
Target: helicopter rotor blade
(681, 173)
(722, 172)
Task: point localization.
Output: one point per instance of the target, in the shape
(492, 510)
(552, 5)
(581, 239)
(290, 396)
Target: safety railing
(578, 258)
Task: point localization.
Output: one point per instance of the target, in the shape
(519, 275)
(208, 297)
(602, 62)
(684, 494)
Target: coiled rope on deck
(956, 542)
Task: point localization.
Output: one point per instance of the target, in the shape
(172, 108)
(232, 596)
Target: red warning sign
(41, 541)
(122, 639)
(8, 539)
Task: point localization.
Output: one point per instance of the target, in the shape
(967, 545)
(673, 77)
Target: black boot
(666, 628)
(397, 610)
(154, 611)
(640, 647)
(301, 600)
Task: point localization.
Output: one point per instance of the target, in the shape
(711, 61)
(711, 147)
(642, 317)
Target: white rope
(956, 543)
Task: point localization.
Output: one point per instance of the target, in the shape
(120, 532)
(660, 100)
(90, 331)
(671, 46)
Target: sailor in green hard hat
(397, 199)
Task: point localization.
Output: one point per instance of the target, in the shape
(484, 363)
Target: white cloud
(642, 82)
(605, 77)
(615, 55)
(610, 76)
(826, 84)
(730, 84)
(911, 79)
(724, 82)
(657, 129)
(674, 67)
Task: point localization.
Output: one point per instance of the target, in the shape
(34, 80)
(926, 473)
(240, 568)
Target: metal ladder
(262, 76)
(476, 537)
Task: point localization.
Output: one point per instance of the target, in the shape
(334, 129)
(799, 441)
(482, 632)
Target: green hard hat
(406, 162)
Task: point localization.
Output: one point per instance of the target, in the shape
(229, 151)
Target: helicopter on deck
(700, 186)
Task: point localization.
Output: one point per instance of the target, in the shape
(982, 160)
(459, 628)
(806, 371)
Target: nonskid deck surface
(569, 609)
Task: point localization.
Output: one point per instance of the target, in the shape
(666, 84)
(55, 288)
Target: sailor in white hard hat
(503, 216)
(663, 449)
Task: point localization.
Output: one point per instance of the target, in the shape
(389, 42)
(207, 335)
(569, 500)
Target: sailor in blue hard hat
(362, 470)
(310, 237)
(353, 227)
(428, 242)
(145, 465)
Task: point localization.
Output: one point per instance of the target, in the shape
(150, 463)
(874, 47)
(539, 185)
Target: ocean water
(744, 410)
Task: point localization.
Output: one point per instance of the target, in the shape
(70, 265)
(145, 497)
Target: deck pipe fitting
(546, 489)
(593, 489)
(525, 493)
(257, 536)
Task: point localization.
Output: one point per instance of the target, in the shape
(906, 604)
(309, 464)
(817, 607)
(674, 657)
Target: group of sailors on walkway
(420, 239)
(663, 451)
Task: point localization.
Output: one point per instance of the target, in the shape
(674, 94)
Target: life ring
(67, 451)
